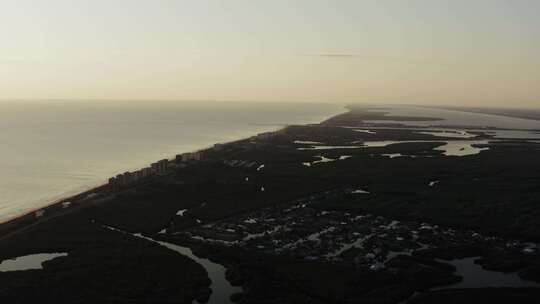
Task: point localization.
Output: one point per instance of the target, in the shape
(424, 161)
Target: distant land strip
(533, 114)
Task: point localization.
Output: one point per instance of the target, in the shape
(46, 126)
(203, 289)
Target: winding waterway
(222, 290)
(450, 147)
(474, 276)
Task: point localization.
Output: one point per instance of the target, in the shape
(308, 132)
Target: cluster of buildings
(161, 167)
(189, 157)
(363, 240)
(130, 178)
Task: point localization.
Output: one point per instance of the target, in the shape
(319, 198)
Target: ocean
(52, 149)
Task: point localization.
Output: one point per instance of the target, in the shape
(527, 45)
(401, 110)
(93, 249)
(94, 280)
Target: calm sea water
(52, 149)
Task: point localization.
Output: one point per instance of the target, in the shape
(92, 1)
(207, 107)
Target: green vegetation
(495, 192)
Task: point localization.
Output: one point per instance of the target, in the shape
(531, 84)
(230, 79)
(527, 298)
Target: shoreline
(341, 220)
(51, 210)
(73, 195)
(29, 217)
(70, 194)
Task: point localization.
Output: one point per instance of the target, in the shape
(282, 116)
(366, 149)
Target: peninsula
(345, 211)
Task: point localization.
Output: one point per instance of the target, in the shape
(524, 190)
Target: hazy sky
(476, 52)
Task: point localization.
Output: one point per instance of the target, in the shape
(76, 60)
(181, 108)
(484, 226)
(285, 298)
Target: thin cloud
(419, 61)
(338, 55)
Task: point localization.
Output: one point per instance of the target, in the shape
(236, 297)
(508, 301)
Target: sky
(453, 52)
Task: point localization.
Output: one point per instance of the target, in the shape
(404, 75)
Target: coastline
(222, 198)
(28, 218)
